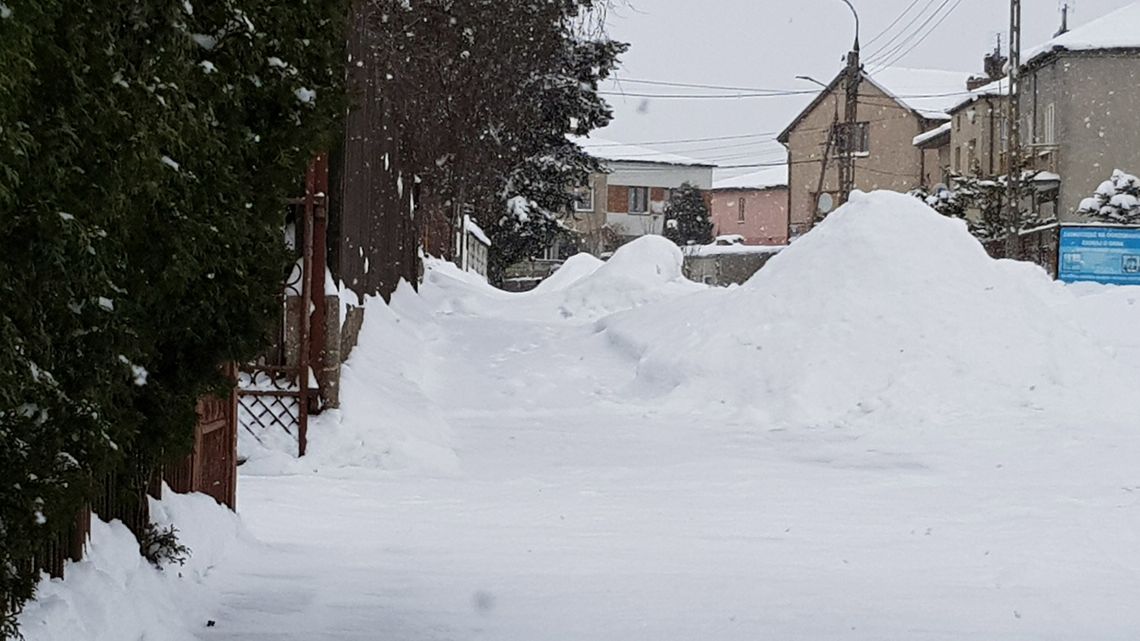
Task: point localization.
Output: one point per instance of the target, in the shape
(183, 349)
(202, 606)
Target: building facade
(895, 106)
(1080, 93)
(753, 206)
(628, 200)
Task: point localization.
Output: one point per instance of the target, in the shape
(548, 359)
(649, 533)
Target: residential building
(753, 206)
(895, 106)
(628, 199)
(979, 135)
(1079, 105)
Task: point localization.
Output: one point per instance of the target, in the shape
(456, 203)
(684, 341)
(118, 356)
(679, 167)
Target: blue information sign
(1109, 255)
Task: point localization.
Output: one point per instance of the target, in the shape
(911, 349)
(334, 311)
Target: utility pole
(1013, 175)
(847, 137)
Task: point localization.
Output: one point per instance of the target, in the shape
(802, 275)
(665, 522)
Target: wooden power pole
(1013, 173)
(847, 139)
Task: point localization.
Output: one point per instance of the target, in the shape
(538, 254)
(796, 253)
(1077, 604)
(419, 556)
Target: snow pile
(644, 271)
(573, 270)
(887, 307)
(115, 594)
(386, 422)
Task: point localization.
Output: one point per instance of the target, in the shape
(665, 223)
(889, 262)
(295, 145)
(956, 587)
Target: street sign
(1109, 255)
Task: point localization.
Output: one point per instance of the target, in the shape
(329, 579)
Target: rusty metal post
(307, 215)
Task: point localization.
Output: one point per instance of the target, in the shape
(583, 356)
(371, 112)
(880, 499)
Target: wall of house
(1095, 97)
(765, 220)
(935, 162)
(893, 162)
(976, 146)
(658, 179)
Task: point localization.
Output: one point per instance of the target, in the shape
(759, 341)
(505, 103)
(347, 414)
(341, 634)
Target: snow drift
(584, 289)
(885, 307)
(115, 594)
(386, 422)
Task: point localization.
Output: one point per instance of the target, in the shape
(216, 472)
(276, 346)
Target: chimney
(994, 65)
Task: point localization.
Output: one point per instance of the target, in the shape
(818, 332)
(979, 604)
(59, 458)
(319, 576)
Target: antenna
(1066, 7)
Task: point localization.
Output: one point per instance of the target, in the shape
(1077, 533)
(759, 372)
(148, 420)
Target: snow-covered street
(584, 504)
(926, 444)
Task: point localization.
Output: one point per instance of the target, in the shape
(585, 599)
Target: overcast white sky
(767, 43)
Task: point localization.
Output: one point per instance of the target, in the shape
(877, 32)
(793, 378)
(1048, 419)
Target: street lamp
(810, 79)
(856, 14)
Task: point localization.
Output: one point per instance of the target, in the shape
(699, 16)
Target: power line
(892, 25)
(903, 32)
(878, 59)
(742, 95)
(686, 140)
(668, 83)
(904, 54)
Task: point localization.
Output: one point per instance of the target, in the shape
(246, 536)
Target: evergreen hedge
(145, 153)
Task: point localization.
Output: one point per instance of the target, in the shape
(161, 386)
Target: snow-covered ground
(884, 435)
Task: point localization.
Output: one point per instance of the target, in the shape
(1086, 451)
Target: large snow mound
(385, 422)
(887, 307)
(115, 594)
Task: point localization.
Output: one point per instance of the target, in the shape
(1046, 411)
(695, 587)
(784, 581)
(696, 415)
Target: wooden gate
(275, 393)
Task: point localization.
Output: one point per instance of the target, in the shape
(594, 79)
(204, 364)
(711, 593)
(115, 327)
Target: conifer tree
(145, 156)
(687, 219)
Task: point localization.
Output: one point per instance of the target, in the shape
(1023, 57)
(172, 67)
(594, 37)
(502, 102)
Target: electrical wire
(892, 25)
(904, 32)
(904, 54)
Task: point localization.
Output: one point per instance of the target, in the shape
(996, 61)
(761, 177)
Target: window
(958, 160)
(638, 200)
(857, 138)
(740, 213)
(1050, 124)
(584, 199)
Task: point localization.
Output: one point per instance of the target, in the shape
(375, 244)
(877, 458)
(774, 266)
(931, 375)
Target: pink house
(754, 206)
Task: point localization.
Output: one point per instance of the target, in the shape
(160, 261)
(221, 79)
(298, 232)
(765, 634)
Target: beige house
(895, 106)
(979, 132)
(1080, 106)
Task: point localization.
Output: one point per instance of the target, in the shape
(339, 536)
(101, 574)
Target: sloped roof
(937, 132)
(769, 178)
(1117, 30)
(621, 152)
(995, 89)
(928, 93)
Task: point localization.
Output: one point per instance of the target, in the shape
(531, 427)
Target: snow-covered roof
(768, 178)
(475, 230)
(996, 88)
(1117, 30)
(940, 130)
(622, 152)
(929, 92)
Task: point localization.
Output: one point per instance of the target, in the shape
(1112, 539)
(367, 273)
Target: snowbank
(887, 307)
(644, 271)
(573, 270)
(115, 594)
(386, 423)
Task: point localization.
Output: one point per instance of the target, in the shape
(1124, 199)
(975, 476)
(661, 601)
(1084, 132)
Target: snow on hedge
(115, 594)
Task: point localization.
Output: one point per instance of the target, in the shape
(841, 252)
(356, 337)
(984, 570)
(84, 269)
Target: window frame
(633, 200)
(740, 217)
(592, 205)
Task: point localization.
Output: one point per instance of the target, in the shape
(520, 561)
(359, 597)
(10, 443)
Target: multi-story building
(1079, 105)
(628, 200)
(895, 106)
